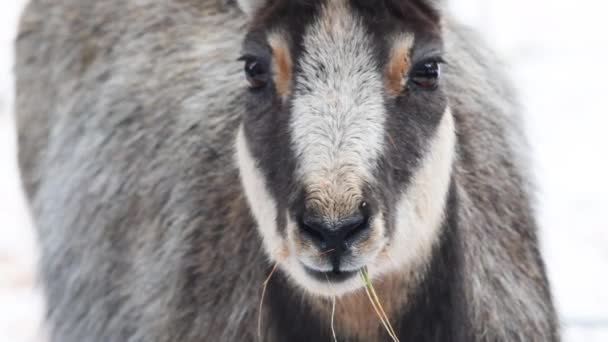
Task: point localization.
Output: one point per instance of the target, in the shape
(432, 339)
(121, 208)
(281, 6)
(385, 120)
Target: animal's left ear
(433, 9)
(436, 5)
(250, 6)
(426, 9)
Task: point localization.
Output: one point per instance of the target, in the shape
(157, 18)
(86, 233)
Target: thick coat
(127, 113)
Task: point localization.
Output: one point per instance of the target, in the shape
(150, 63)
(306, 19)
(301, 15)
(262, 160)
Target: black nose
(334, 236)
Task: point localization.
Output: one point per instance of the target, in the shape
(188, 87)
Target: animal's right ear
(250, 6)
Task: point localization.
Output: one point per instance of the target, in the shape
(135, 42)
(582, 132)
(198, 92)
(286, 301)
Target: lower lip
(334, 277)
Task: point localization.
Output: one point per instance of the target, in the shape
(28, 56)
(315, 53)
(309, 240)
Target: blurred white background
(556, 50)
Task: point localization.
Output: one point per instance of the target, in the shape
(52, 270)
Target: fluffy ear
(434, 4)
(250, 6)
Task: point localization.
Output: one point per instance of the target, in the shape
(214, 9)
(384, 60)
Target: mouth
(331, 276)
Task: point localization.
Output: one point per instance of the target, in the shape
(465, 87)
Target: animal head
(346, 145)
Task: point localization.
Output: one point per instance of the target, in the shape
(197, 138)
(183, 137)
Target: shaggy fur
(127, 113)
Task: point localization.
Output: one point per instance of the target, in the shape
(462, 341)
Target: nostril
(312, 232)
(313, 228)
(338, 234)
(354, 227)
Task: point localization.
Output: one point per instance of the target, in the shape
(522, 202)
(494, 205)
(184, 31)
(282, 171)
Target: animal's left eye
(256, 72)
(426, 74)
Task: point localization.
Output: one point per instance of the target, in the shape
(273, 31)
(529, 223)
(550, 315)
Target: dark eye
(256, 72)
(426, 75)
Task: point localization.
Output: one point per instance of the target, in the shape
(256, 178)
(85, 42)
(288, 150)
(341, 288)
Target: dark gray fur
(127, 112)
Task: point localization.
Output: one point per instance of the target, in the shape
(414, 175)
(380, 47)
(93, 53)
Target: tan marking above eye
(281, 64)
(398, 64)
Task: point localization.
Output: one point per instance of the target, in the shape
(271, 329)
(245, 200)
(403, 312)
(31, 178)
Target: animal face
(346, 145)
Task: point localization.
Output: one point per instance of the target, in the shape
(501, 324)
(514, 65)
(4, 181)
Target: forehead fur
(379, 19)
(425, 11)
(331, 17)
(338, 110)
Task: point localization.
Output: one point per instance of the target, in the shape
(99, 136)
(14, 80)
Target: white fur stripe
(250, 6)
(420, 210)
(262, 204)
(337, 123)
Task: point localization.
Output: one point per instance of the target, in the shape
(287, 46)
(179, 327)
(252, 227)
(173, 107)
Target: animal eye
(255, 72)
(426, 75)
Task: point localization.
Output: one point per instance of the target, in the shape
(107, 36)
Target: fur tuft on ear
(250, 6)
(438, 4)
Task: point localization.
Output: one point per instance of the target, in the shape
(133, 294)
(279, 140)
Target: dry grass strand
(377, 305)
(265, 285)
(333, 314)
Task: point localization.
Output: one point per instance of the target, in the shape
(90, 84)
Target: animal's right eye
(426, 74)
(256, 72)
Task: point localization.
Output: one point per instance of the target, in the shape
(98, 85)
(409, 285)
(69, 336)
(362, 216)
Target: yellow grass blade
(375, 295)
(375, 301)
(265, 284)
(333, 314)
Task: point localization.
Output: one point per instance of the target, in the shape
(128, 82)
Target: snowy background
(557, 50)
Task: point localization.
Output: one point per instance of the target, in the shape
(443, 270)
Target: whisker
(327, 252)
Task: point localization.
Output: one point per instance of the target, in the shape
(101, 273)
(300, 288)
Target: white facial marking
(262, 204)
(250, 6)
(337, 122)
(420, 209)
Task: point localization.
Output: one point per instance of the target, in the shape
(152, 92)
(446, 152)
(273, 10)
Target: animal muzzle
(335, 231)
(335, 237)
